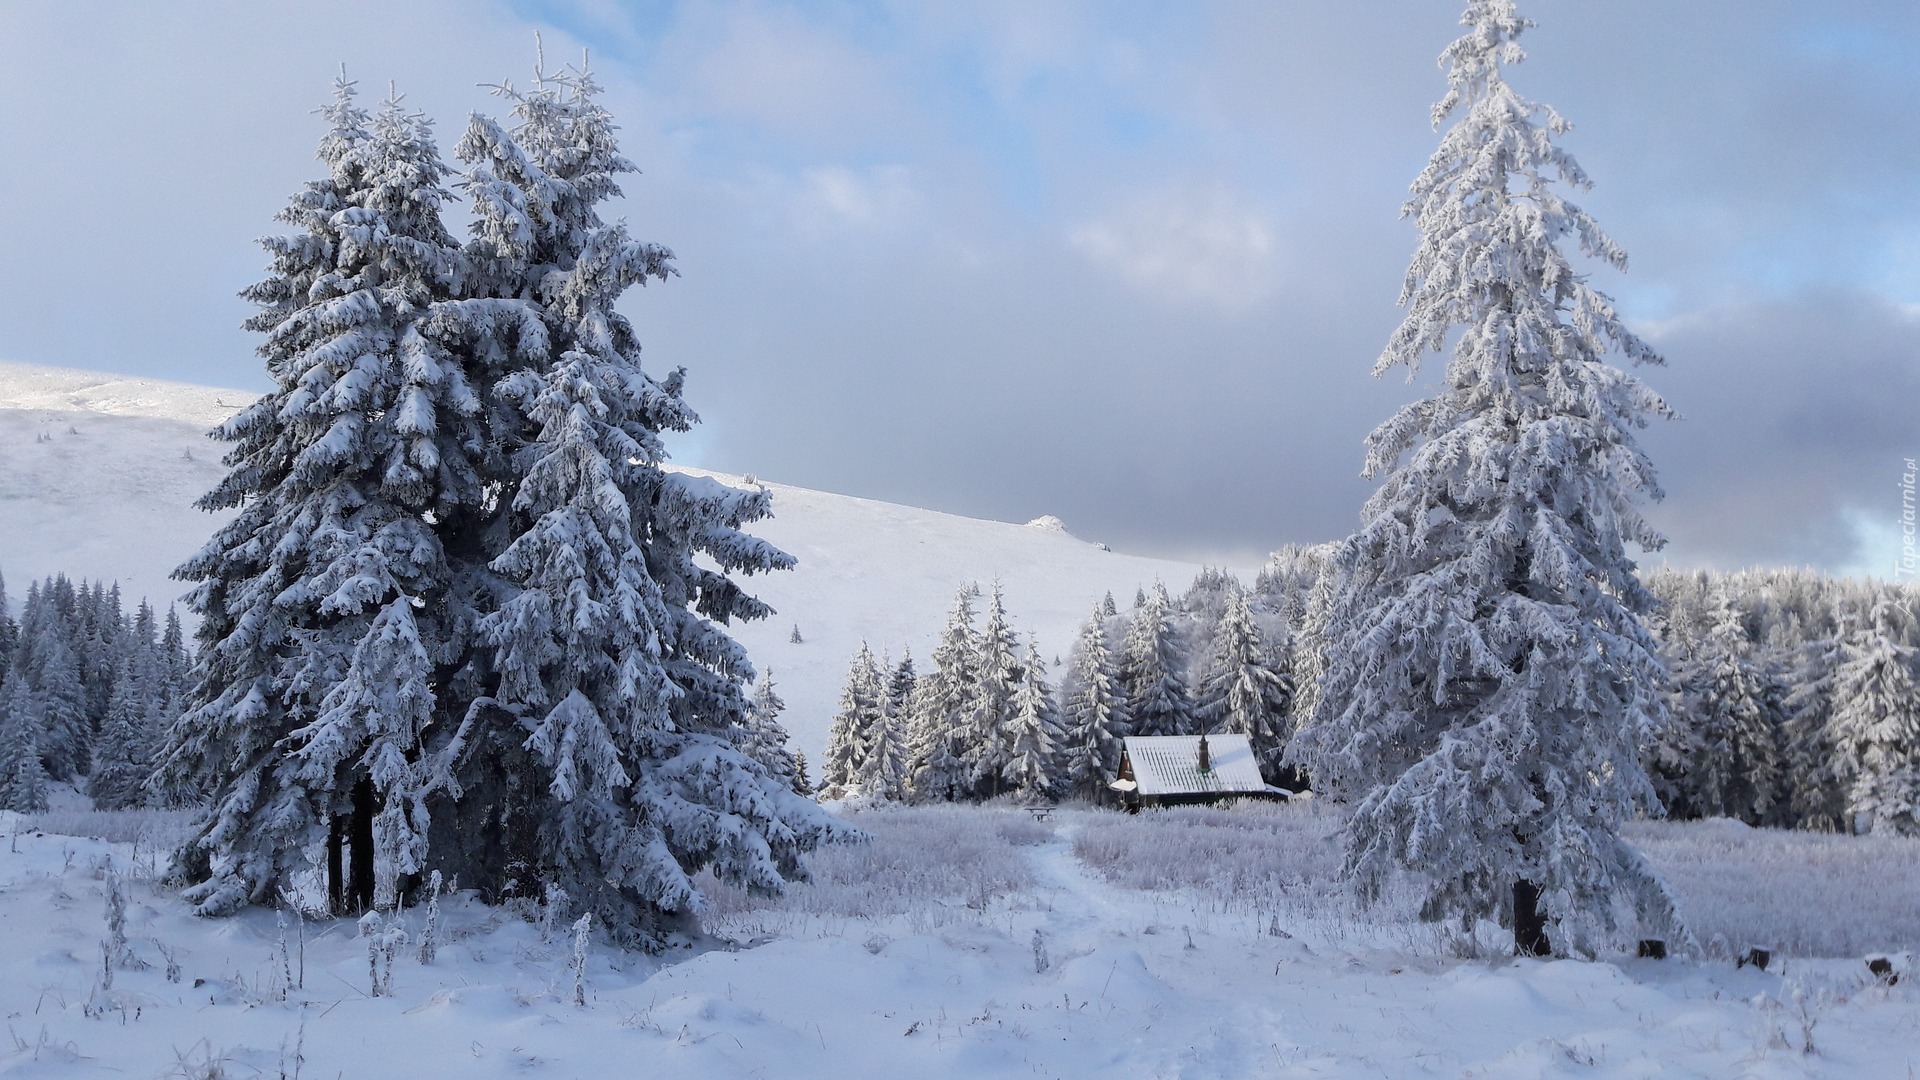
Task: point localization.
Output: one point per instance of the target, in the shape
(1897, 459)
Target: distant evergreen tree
(65, 731)
(9, 631)
(1107, 608)
(850, 738)
(1737, 707)
(802, 783)
(23, 779)
(762, 736)
(122, 759)
(1819, 794)
(900, 686)
(1243, 692)
(1095, 715)
(1157, 698)
(943, 703)
(1876, 723)
(882, 772)
(1032, 733)
(985, 738)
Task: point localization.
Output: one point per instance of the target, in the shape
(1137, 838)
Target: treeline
(86, 690)
(1793, 698)
(987, 720)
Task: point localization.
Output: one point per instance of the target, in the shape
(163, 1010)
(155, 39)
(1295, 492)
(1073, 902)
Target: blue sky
(1126, 263)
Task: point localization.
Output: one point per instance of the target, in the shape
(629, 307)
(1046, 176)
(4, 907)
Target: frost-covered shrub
(1798, 893)
(159, 829)
(933, 863)
(1234, 850)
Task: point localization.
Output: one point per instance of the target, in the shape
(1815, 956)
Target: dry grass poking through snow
(1798, 893)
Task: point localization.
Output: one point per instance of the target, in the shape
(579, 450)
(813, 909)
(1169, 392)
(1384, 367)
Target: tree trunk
(336, 885)
(360, 843)
(1529, 922)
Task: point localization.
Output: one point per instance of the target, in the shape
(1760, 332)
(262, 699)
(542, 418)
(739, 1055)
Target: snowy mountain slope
(98, 474)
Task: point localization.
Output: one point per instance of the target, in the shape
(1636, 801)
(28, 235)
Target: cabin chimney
(1206, 762)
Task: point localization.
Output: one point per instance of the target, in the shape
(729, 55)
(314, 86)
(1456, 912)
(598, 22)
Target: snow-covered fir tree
(862, 710)
(311, 695)
(1735, 707)
(123, 753)
(1818, 790)
(1244, 692)
(882, 773)
(23, 779)
(613, 669)
(900, 687)
(1487, 670)
(802, 780)
(985, 738)
(762, 736)
(1876, 724)
(1095, 714)
(943, 702)
(1032, 733)
(1150, 671)
(9, 630)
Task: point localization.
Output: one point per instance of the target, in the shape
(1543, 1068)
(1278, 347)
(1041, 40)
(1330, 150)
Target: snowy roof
(1170, 764)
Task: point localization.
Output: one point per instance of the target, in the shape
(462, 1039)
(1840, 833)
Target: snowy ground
(915, 955)
(98, 474)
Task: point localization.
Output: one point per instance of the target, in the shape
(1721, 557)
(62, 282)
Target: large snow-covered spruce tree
(463, 619)
(309, 702)
(1487, 672)
(608, 663)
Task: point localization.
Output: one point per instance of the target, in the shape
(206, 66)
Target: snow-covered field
(1193, 943)
(98, 474)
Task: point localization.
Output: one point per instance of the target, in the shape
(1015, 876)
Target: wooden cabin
(1179, 770)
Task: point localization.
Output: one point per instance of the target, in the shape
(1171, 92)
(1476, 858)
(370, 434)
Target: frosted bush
(1798, 893)
(935, 864)
(1240, 856)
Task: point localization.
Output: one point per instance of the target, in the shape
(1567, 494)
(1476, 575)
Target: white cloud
(834, 196)
(1206, 246)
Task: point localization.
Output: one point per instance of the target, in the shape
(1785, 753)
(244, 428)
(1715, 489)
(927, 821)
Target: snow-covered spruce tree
(1031, 732)
(23, 779)
(1813, 765)
(985, 739)
(9, 631)
(1243, 692)
(882, 773)
(943, 701)
(900, 687)
(123, 752)
(611, 667)
(47, 663)
(852, 731)
(763, 737)
(1095, 714)
(1736, 707)
(310, 688)
(1157, 699)
(1487, 670)
(802, 781)
(1876, 724)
